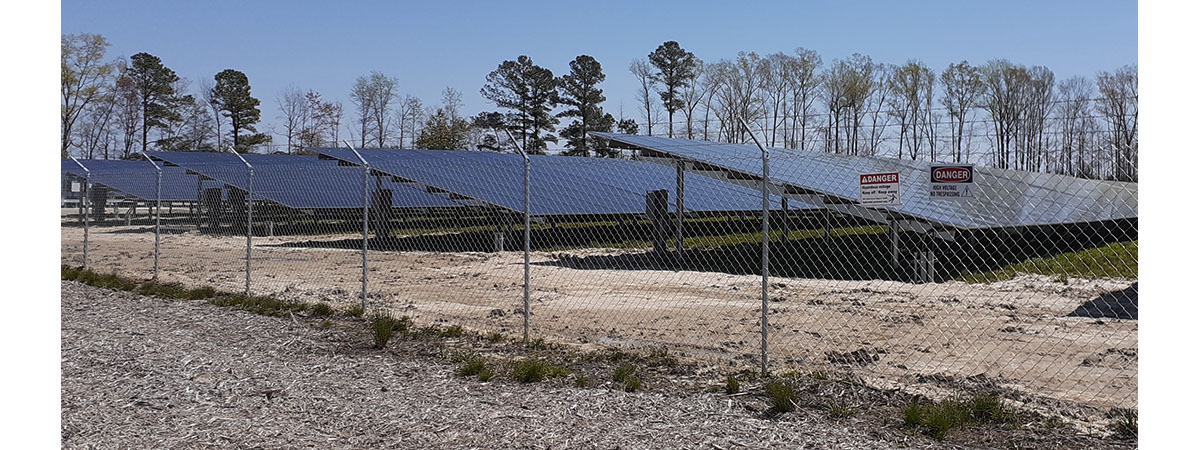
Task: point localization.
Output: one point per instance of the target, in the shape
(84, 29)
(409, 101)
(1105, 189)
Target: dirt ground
(1015, 335)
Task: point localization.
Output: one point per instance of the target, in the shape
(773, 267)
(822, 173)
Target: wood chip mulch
(144, 372)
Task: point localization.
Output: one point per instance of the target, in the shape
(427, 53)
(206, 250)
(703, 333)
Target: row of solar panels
(1002, 198)
(424, 179)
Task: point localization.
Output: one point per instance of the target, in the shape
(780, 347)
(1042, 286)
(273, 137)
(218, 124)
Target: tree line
(999, 114)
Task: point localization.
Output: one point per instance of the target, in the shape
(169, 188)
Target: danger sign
(879, 189)
(951, 181)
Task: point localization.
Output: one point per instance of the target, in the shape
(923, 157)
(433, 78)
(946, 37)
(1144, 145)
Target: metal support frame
(157, 211)
(679, 210)
(766, 239)
(87, 206)
(249, 214)
(366, 217)
(526, 212)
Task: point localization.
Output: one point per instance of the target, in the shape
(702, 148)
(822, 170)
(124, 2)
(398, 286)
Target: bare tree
(1118, 104)
(214, 106)
(695, 90)
(451, 101)
(1003, 83)
(961, 89)
(912, 89)
(295, 112)
(85, 77)
(1072, 113)
(644, 72)
(129, 112)
(803, 81)
(361, 96)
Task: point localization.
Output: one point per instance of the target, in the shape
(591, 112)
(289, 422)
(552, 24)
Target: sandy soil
(1015, 334)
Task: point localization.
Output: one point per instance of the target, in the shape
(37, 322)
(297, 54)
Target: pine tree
(529, 90)
(676, 67)
(578, 90)
(232, 93)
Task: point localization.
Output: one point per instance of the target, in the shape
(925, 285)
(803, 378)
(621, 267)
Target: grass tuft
(731, 384)
(320, 309)
(533, 370)
(582, 381)
(781, 395)
(384, 327)
(939, 418)
(839, 409)
(1126, 424)
(451, 332)
(354, 311)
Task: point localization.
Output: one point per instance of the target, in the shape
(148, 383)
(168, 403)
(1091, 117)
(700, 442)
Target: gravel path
(143, 372)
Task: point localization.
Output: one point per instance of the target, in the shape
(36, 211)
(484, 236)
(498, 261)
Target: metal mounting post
(87, 205)
(249, 214)
(366, 218)
(157, 211)
(527, 170)
(766, 240)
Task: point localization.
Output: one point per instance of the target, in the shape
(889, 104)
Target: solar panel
(137, 178)
(1002, 197)
(559, 185)
(302, 182)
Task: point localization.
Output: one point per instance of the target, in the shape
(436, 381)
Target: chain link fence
(659, 254)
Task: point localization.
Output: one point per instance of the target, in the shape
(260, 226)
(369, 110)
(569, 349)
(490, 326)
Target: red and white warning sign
(952, 181)
(879, 189)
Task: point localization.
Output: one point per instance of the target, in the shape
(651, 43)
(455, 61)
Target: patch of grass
(354, 311)
(384, 327)
(320, 309)
(1117, 260)
(582, 381)
(533, 370)
(267, 306)
(1126, 424)
(632, 383)
(819, 375)
(731, 384)
(104, 281)
(174, 290)
(538, 344)
(936, 419)
(781, 396)
(495, 336)
(472, 365)
(622, 371)
(839, 409)
(485, 374)
(451, 332)
(326, 323)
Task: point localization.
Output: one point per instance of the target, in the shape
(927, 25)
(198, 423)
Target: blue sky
(324, 46)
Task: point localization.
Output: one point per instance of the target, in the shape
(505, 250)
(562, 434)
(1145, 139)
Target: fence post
(87, 205)
(527, 170)
(157, 210)
(766, 240)
(249, 214)
(366, 218)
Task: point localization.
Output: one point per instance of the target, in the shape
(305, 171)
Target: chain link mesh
(1045, 313)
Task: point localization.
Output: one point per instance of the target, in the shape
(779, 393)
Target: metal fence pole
(527, 171)
(249, 214)
(157, 211)
(766, 240)
(87, 206)
(366, 218)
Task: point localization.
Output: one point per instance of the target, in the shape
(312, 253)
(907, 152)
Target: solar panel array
(302, 182)
(1002, 197)
(559, 185)
(137, 179)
